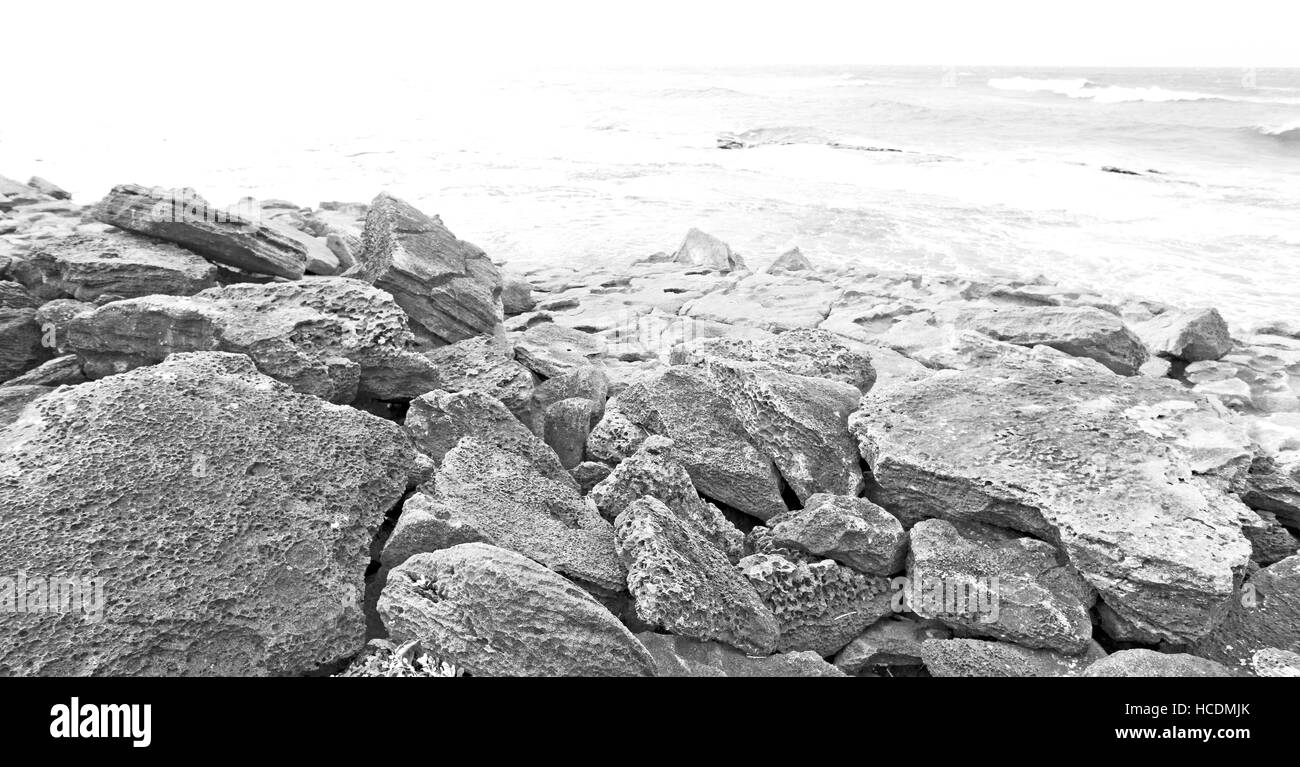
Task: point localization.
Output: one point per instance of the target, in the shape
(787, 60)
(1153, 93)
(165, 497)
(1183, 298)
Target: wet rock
(223, 236)
(1199, 334)
(1077, 331)
(852, 531)
(701, 249)
(494, 612)
(485, 365)
(681, 657)
(980, 658)
(327, 336)
(1264, 613)
(995, 584)
(567, 424)
(117, 264)
(654, 472)
(1149, 663)
(448, 287)
(812, 353)
(1117, 470)
(681, 582)
(228, 517)
(892, 645)
(552, 350)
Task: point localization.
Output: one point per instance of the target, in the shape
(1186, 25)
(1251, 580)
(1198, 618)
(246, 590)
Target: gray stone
(681, 657)
(1148, 663)
(115, 264)
(852, 531)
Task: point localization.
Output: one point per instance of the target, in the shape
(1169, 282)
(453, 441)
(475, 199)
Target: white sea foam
(1114, 94)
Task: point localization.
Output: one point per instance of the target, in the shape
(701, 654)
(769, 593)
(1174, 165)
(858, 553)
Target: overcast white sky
(126, 40)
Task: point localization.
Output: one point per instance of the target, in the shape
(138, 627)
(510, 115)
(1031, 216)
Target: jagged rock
(1265, 613)
(1269, 541)
(1118, 470)
(799, 422)
(683, 404)
(508, 491)
(773, 302)
(483, 364)
(56, 372)
(567, 425)
(1273, 662)
(793, 260)
(819, 606)
(516, 294)
(15, 398)
(327, 336)
(1149, 663)
(683, 583)
(681, 657)
(813, 353)
(494, 612)
(1037, 601)
(701, 249)
(437, 421)
(1080, 331)
(590, 383)
(852, 531)
(21, 346)
(1199, 334)
(448, 287)
(54, 316)
(980, 658)
(654, 472)
(1274, 487)
(226, 237)
(48, 188)
(893, 644)
(14, 193)
(229, 517)
(588, 474)
(115, 265)
(552, 350)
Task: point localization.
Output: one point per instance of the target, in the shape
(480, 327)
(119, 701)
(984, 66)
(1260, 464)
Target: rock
(1118, 470)
(654, 472)
(980, 658)
(819, 606)
(1273, 662)
(14, 398)
(891, 644)
(327, 336)
(1269, 541)
(54, 318)
(1156, 367)
(852, 531)
(497, 490)
(21, 336)
(14, 193)
(227, 517)
(681, 657)
(700, 249)
(588, 474)
(1080, 331)
(793, 260)
(567, 425)
(484, 365)
(118, 264)
(590, 383)
(772, 302)
(1200, 334)
(448, 287)
(345, 248)
(683, 404)
(1274, 487)
(494, 612)
(551, 350)
(516, 294)
(223, 236)
(1036, 600)
(60, 371)
(683, 583)
(799, 422)
(812, 353)
(1266, 613)
(48, 188)
(1148, 663)
(438, 420)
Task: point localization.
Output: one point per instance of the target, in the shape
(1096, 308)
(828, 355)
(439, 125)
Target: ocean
(999, 171)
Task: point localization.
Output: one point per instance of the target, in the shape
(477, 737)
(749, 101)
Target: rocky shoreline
(340, 440)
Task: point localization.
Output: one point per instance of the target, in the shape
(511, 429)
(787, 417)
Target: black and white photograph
(683, 339)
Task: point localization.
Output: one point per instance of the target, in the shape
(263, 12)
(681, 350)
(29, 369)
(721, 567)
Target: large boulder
(226, 518)
(681, 582)
(448, 287)
(113, 265)
(1080, 331)
(326, 336)
(1119, 472)
(226, 237)
(493, 612)
(681, 657)
(1192, 336)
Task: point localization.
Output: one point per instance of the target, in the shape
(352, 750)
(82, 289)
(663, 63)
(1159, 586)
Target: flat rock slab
(1112, 469)
(1080, 331)
(227, 519)
(493, 612)
(815, 353)
(115, 265)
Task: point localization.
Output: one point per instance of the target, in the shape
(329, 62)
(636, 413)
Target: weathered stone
(485, 365)
(56, 372)
(793, 260)
(980, 658)
(15, 398)
(701, 249)
(54, 317)
(1149, 663)
(448, 287)
(567, 424)
(812, 353)
(327, 336)
(654, 472)
(590, 383)
(773, 302)
(892, 643)
(588, 474)
(48, 188)
(1199, 334)
(516, 294)
(1077, 331)
(1273, 662)
(1269, 541)
(1274, 486)
(438, 420)
(494, 612)
(681, 657)
(115, 265)
(1037, 601)
(228, 517)
(1265, 613)
(681, 582)
(819, 606)
(226, 237)
(552, 350)
(1116, 470)
(852, 531)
